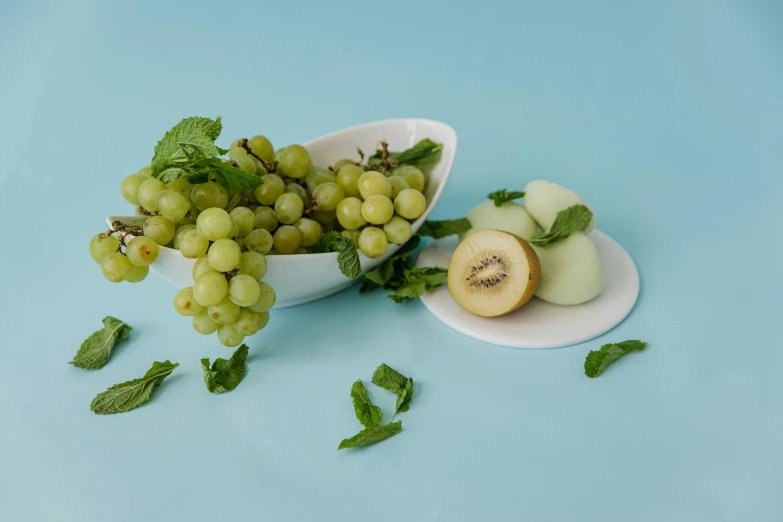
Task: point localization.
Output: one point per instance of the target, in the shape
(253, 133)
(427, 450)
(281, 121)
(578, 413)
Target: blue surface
(666, 116)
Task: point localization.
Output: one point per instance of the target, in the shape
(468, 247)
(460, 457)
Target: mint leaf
(347, 259)
(368, 413)
(573, 219)
(223, 173)
(132, 394)
(381, 274)
(446, 227)
(390, 379)
(426, 152)
(404, 397)
(416, 280)
(597, 361)
(504, 196)
(191, 137)
(372, 435)
(225, 375)
(96, 349)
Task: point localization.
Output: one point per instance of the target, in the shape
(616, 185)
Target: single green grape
(225, 312)
(288, 208)
(243, 289)
(145, 171)
(259, 240)
(318, 176)
(342, 163)
(261, 147)
(244, 218)
(296, 188)
(413, 176)
(301, 250)
(192, 245)
(265, 218)
(204, 325)
(243, 160)
(115, 267)
(348, 178)
(148, 194)
(142, 251)
(324, 217)
(253, 264)
(410, 203)
(272, 252)
(294, 161)
(173, 204)
(372, 183)
(181, 229)
(349, 213)
(209, 195)
(353, 235)
(201, 266)
(228, 336)
(180, 184)
(210, 288)
(266, 299)
(185, 303)
(129, 188)
(377, 209)
(272, 188)
(137, 274)
(187, 220)
(214, 224)
(398, 230)
(249, 323)
(373, 242)
(328, 195)
(159, 229)
(101, 245)
(398, 185)
(224, 255)
(311, 231)
(287, 239)
(234, 229)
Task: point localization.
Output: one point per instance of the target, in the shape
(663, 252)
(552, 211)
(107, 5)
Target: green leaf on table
(597, 361)
(444, 228)
(347, 257)
(504, 196)
(390, 379)
(132, 394)
(368, 413)
(576, 218)
(225, 375)
(372, 435)
(416, 281)
(426, 152)
(381, 274)
(96, 349)
(191, 136)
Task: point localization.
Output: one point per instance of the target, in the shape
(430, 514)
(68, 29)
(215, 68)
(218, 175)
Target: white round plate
(539, 324)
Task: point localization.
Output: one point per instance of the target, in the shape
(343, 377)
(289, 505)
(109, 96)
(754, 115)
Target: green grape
(129, 188)
(412, 176)
(328, 195)
(259, 240)
(287, 239)
(253, 264)
(214, 224)
(301, 250)
(224, 255)
(296, 188)
(288, 208)
(210, 288)
(115, 267)
(342, 163)
(145, 171)
(324, 217)
(372, 183)
(173, 204)
(328, 227)
(181, 229)
(204, 325)
(180, 184)
(397, 184)
(243, 289)
(261, 147)
(225, 312)
(137, 274)
(101, 245)
(185, 303)
(201, 266)
(311, 231)
(234, 229)
(228, 336)
(266, 299)
(272, 252)
(148, 194)
(349, 214)
(192, 245)
(142, 251)
(159, 229)
(244, 218)
(373, 242)
(353, 235)
(294, 161)
(187, 220)
(410, 203)
(272, 188)
(243, 160)
(209, 195)
(249, 323)
(318, 176)
(348, 178)
(377, 209)
(398, 230)
(265, 218)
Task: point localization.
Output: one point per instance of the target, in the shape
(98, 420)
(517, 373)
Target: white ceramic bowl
(302, 278)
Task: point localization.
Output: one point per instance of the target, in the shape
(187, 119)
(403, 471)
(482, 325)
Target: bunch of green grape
(121, 261)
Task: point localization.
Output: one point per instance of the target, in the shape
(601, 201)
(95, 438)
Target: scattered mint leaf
(223, 173)
(390, 379)
(191, 136)
(381, 274)
(96, 349)
(404, 397)
(132, 394)
(347, 258)
(426, 152)
(368, 413)
(504, 196)
(417, 280)
(225, 375)
(597, 361)
(444, 228)
(573, 219)
(372, 435)
(398, 273)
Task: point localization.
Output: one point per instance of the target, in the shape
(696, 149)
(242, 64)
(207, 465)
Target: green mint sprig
(576, 218)
(597, 361)
(225, 375)
(372, 435)
(368, 413)
(347, 257)
(126, 396)
(390, 379)
(504, 196)
(444, 228)
(96, 349)
(424, 153)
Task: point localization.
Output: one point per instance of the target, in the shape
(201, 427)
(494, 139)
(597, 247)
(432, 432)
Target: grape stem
(270, 166)
(122, 231)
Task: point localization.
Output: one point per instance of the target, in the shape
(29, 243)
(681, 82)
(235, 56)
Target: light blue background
(667, 116)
